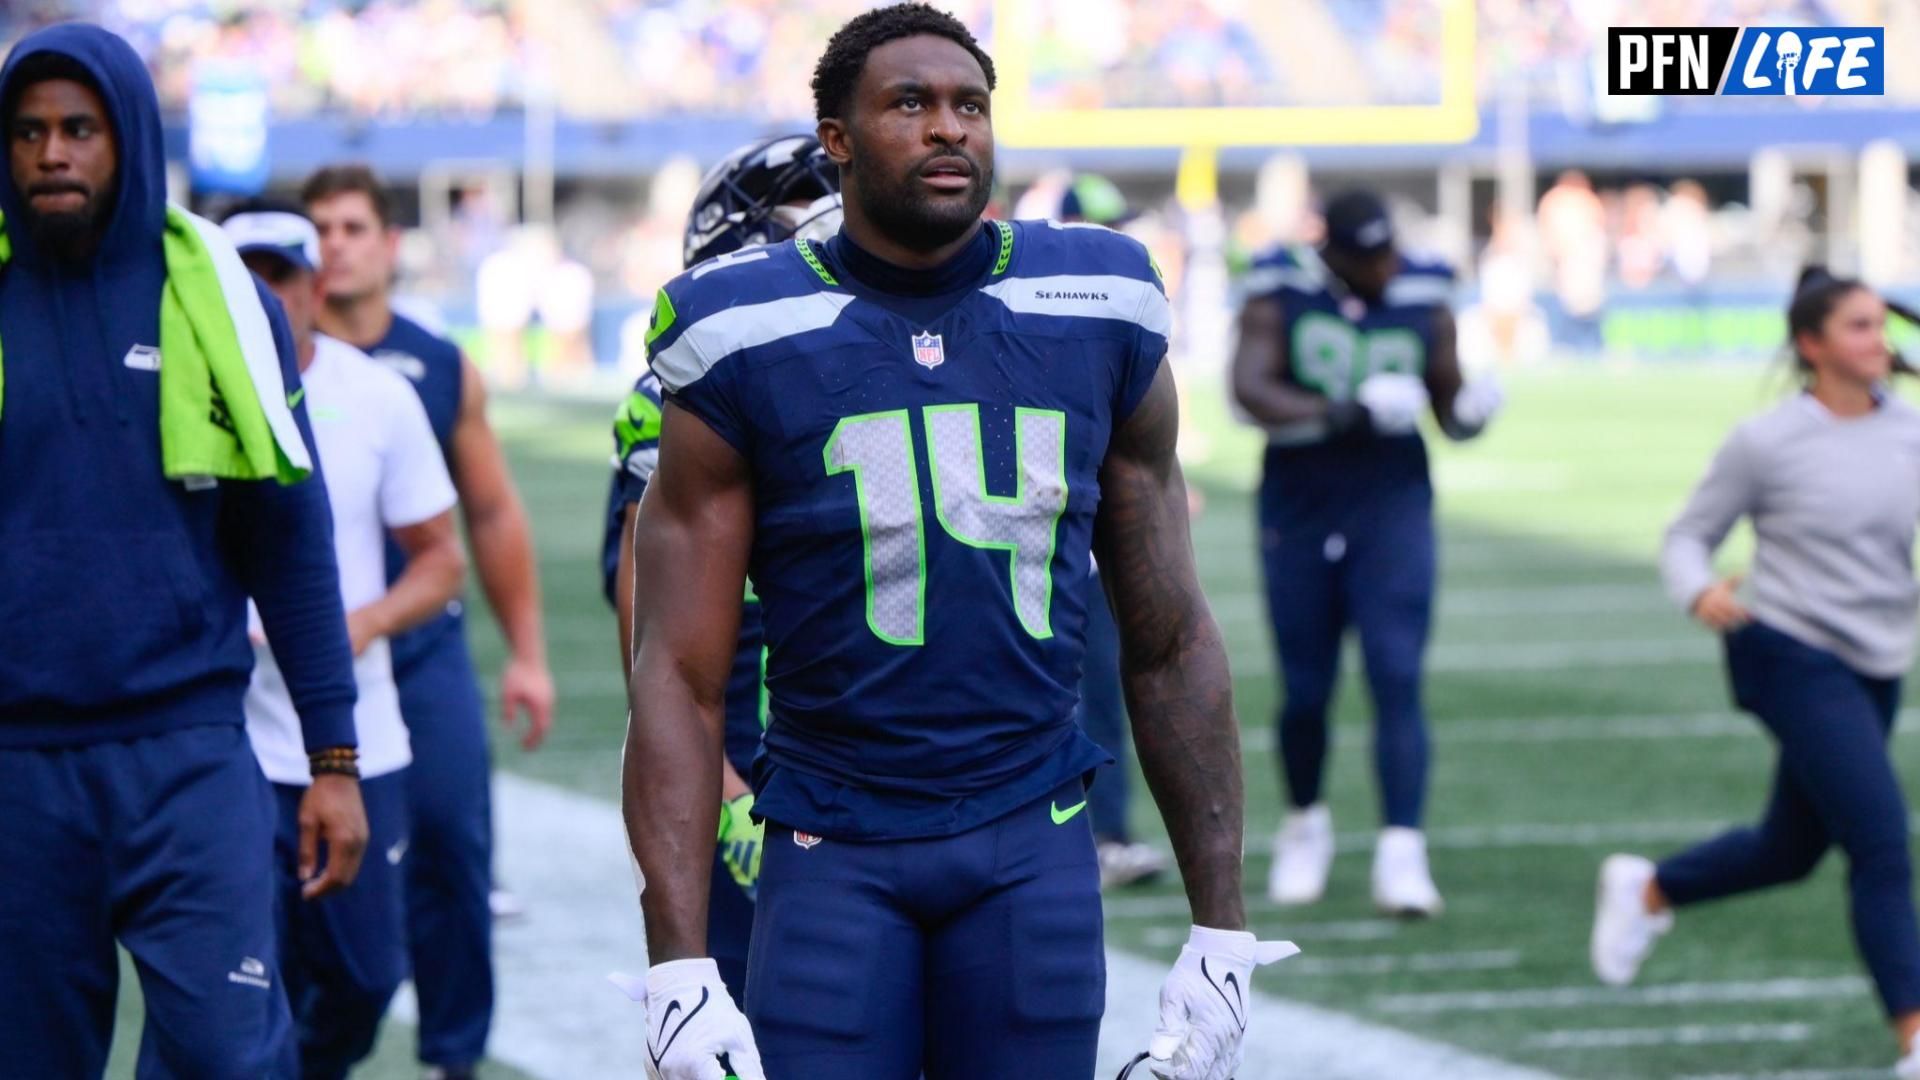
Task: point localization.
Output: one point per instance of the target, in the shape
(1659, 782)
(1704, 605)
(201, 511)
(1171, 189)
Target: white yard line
(1174, 934)
(1798, 1075)
(1684, 1035)
(1589, 997)
(1287, 1040)
(1488, 601)
(1407, 964)
(556, 1017)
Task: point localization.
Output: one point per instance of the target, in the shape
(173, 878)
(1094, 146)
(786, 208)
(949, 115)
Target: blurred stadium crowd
(1603, 254)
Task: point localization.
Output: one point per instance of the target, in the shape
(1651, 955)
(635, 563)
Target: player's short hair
(333, 180)
(846, 54)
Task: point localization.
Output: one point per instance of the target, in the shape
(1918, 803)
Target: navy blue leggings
(1835, 785)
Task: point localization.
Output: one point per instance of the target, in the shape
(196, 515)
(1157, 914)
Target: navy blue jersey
(434, 367)
(636, 450)
(1336, 340)
(924, 501)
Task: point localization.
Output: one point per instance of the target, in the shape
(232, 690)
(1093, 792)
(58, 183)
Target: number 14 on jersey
(877, 448)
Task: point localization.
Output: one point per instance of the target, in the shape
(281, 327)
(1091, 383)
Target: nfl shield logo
(806, 840)
(927, 350)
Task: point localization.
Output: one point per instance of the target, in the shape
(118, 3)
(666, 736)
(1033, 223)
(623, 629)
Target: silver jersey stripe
(1413, 289)
(1087, 296)
(723, 333)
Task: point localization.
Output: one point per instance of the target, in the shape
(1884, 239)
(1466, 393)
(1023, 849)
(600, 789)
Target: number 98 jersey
(924, 502)
(1335, 341)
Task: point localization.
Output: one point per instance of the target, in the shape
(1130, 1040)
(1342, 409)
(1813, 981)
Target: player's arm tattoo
(1443, 374)
(1173, 661)
(1260, 369)
(691, 538)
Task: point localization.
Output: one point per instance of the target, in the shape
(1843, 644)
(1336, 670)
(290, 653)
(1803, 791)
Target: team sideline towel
(223, 404)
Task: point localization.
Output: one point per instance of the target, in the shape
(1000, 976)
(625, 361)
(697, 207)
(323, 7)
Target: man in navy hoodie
(133, 809)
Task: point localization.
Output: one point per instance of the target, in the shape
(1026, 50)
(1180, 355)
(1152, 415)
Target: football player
(1342, 348)
(914, 435)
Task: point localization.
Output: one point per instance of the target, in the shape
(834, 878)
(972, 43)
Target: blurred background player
(342, 956)
(134, 531)
(1341, 351)
(1094, 200)
(929, 898)
(449, 875)
(1828, 479)
(764, 193)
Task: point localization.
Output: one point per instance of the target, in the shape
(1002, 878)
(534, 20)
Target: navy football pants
(345, 954)
(977, 955)
(1366, 563)
(166, 844)
(450, 863)
(1835, 785)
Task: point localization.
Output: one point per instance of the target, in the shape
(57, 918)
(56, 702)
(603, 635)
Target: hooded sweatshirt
(122, 594)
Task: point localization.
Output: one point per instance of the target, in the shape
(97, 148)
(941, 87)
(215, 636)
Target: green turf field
(1574, 714)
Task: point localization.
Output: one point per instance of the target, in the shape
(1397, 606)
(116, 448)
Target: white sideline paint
(1587, 997)
(557, 1017)
(1684, 1035)
(1798, 1074)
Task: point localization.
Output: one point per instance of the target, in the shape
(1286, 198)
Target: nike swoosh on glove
(1203, 1004)
(1475, 406)
(694, 1030)
(1393, 401)
(741, 841)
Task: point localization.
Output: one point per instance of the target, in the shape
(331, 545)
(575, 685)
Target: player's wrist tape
(335, 760)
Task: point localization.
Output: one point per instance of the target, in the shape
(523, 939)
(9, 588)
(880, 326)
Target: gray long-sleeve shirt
(1834, 504)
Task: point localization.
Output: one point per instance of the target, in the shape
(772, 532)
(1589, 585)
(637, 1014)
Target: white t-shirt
(384, 471)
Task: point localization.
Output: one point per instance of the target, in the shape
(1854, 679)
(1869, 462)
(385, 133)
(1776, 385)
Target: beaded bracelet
(337, 760)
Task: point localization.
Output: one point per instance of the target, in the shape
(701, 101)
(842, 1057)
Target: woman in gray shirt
(1830, 480)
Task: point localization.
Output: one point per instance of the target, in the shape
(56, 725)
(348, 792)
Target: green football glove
(741, 840)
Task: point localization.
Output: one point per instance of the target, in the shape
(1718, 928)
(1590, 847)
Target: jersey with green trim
(1336, 340)
(924, 501)
(636, 450)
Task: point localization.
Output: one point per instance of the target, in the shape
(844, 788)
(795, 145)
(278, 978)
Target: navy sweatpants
(1346, 540)
(450, 863)
(1103, 715)
(166, 844)
(1835, 785)
(966, 956)
(344, 955)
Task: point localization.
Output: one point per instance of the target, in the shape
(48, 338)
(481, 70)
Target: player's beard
(70, 236)
(900, 207)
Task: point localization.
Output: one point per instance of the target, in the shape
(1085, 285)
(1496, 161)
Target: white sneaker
(1909, 1067)
(1123, 864)
(1402, 884)
(1302, 856)
(1624, 931)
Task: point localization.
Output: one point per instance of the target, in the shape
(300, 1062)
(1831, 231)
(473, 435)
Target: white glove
(1477, 403)
(1203, 1004)
(691, 1022)
(1394, 402)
